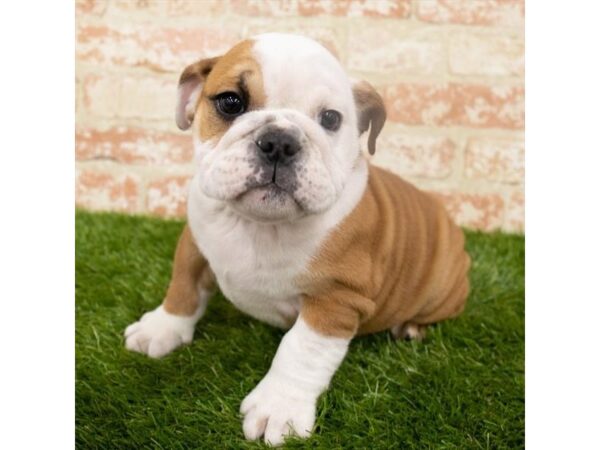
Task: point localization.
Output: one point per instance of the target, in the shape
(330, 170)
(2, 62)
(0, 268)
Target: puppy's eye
(331, 120)
(230, 105)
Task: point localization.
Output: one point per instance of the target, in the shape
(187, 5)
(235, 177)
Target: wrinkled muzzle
(283, 154)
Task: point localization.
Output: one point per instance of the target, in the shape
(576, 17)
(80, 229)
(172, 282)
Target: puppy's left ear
(190, 85)
(370, 110)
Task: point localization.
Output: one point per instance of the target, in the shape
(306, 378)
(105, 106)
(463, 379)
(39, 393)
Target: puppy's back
(426, 269)
(399, 252)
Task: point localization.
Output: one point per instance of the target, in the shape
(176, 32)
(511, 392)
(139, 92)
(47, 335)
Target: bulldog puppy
(295, 227)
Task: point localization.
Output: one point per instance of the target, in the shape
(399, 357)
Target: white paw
(158, 333)
(276, 409)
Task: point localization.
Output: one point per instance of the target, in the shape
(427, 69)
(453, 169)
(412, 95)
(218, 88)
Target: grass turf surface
(461, 388)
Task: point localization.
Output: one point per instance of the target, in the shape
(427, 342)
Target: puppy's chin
(269, 204)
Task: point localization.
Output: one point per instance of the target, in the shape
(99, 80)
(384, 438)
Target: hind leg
(409, 331)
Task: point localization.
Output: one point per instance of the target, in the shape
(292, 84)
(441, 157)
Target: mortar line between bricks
(84, 69)
(387, 77)
(113, 15)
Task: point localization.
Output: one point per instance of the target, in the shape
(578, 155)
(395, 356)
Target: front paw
(276, 408)
(158, 333)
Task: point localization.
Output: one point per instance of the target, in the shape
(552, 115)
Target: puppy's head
(276, 122)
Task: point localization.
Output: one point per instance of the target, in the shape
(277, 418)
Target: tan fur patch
(397, 258)
(191, 272)
(234, 71)
(370, 109)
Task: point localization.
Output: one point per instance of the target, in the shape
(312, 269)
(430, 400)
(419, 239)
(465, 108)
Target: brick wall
(451, 73)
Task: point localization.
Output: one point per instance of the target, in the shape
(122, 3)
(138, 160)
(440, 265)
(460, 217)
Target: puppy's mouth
(276, 180)
(268, 203)
(273, 192)
(269, 194)
(281, 179)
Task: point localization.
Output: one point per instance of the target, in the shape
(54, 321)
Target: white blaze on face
(301, 75)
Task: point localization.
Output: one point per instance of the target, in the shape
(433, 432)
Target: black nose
(278, 145)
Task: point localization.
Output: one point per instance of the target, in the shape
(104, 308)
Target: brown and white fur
(328, 247)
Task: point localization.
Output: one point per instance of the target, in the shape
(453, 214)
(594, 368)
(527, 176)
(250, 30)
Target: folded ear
(370, 110)
(190, 86)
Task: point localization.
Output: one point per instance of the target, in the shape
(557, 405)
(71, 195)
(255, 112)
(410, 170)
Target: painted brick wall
(451, 73)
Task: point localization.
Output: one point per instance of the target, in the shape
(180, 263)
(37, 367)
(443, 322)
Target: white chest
(256, 275)
(256, 265)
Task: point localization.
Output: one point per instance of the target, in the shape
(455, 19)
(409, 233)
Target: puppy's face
(276, 123)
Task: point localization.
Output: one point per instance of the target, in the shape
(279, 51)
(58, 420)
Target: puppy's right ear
(190, 85)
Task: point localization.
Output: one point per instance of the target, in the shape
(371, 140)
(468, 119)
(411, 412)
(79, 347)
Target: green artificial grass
(463, 387)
